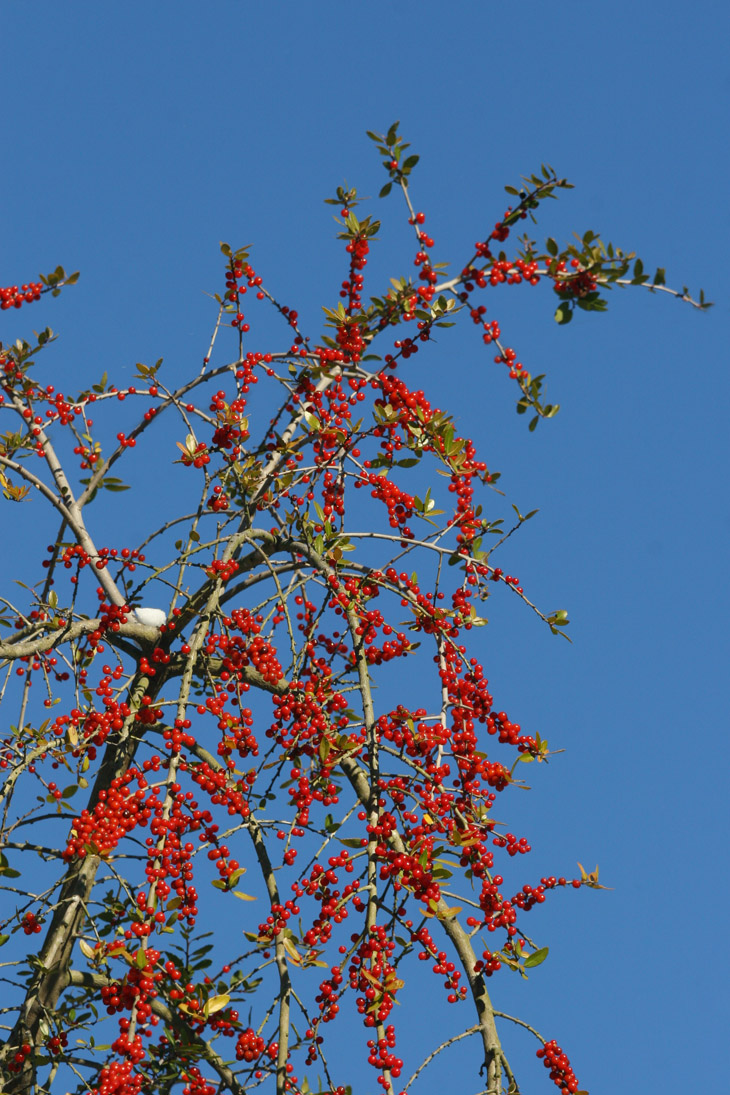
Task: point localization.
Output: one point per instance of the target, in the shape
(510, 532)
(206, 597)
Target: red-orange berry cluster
(15, 297)
(561, 1073)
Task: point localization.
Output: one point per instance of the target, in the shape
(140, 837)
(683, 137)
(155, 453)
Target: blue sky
(137, 136)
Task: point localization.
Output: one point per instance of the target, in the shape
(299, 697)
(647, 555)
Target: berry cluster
(14, 297)
(574, 285)
(561, 1073)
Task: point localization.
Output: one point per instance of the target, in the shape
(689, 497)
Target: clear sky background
(136, 136)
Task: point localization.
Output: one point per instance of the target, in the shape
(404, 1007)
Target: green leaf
(386, 190)
(537, 958)
(563, 313)
(325, 747)
(113, 484)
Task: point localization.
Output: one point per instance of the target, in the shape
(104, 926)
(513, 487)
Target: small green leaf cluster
(541, 186)
(519, 959)
(240, 255)
(391, 147)
(532, 391)
(56, 280)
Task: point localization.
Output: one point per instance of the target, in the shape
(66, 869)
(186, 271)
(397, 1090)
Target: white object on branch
(151, 617)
